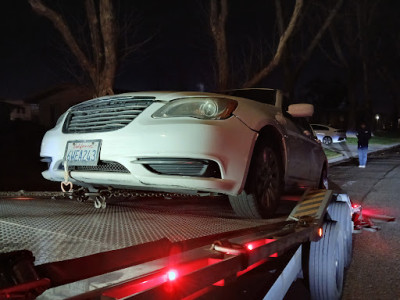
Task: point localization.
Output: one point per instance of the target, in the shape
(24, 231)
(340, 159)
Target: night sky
(179, 55)
(34, 56)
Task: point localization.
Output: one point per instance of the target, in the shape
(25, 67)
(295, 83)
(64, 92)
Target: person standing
(363, 136)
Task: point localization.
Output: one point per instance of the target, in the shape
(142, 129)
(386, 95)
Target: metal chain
(82, 195)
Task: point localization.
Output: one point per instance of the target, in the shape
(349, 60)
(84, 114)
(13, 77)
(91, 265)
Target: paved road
(375, 270)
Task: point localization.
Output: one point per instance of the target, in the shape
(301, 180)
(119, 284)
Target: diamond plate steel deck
(59, 229)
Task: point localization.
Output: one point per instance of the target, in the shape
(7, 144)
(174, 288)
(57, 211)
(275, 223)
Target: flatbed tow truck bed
(149, 248)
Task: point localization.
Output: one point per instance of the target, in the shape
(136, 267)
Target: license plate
(82, 153)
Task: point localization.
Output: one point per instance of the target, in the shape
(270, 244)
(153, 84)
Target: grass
(376, 140)
(331, 154)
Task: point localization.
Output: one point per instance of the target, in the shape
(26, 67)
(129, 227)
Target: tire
(327, 140)
(262, 192)
(326, 264)
(323, 182)
(341, 212)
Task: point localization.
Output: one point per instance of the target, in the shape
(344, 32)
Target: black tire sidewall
(254, 180)
(340, 212)
(325, 277)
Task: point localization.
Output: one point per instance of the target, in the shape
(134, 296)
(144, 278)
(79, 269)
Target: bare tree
(218, 16)
(283, 41)
(285, 35)
(280, 56)
(101, 63)
(354, 36)
(318, 36)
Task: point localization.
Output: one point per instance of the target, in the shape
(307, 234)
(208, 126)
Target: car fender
(258, 117)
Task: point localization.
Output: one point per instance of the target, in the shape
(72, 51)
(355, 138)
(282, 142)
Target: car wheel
(262, 192)
(327, 140)
(323, 182)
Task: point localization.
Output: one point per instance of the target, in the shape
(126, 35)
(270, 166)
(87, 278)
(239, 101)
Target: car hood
(254, 114)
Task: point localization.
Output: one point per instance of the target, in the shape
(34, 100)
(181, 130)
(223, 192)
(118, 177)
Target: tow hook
(66, 185)
(100, 202)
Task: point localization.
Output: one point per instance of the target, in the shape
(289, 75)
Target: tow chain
(99, 197)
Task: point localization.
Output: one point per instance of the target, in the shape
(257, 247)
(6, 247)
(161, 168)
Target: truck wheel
(326, 264)
(341, 212)
(262, 192)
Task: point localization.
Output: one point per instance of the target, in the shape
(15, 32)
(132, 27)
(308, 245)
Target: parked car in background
(328, 135)
(241, 144)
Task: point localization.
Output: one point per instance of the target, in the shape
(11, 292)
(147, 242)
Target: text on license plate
(82, 153)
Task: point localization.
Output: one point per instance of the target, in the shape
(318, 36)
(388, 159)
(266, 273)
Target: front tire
(262, 192)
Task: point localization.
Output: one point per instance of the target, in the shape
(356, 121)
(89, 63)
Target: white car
(329, 135)
(189, 142)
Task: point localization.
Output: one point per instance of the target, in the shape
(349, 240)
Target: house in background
(24, 111)
(18, 110)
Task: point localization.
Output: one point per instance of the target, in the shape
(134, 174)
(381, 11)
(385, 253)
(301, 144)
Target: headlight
(200, 108)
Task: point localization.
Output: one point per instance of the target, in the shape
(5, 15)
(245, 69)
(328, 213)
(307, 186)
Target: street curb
(341, 160)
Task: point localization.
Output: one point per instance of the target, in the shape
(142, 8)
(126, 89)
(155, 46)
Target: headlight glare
(200, 108)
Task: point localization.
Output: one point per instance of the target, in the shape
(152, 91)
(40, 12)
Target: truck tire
(341, 212)
(262, 192)
(326, 264)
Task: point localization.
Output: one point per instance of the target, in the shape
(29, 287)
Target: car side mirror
(301, 110)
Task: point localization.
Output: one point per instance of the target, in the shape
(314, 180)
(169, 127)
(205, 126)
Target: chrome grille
(105, 114)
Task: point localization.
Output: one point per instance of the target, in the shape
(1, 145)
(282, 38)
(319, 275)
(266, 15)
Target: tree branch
(281, 46)
(108, 32)
(94, 29)
(217, 25)
(318, 37)
(60, 24)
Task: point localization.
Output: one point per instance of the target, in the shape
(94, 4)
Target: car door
(303, 155)
(316, 157)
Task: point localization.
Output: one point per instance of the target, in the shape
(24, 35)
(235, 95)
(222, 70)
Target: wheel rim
(327, 140)
(267, 186)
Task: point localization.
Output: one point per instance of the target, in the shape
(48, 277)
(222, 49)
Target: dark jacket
(363, 136)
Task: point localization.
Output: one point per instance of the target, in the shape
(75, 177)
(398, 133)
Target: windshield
(266, 96)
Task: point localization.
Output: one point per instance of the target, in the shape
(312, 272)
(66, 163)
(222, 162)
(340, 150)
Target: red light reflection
(255, 244)
(22, 198)
(172, 275)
